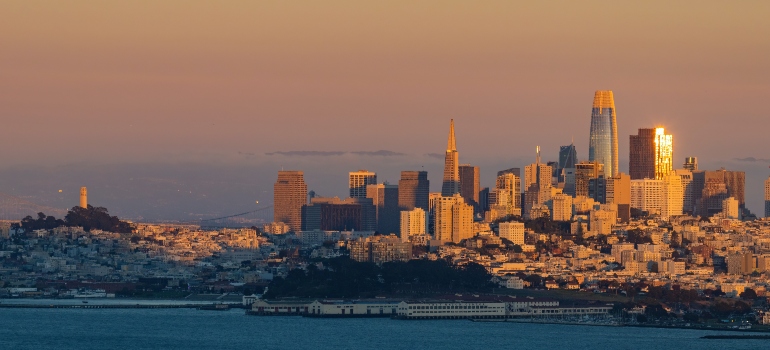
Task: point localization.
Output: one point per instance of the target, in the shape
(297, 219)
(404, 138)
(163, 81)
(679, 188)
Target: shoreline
(696, 327)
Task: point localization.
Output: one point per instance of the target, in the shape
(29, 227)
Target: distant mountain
(16, 208)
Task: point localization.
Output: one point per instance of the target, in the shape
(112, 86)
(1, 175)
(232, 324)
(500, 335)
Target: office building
(484, 199)
(673, 196)
(618, 192)
(597, 189)
(690, 163)
(385, 200)
(507, 194)
(688, 195)
(413, 190)
(470, 185)
(584, 172)
(358, 180)
(710, 188)
(730, 209)
(289, 195)
(512, 231)
(412, 223)
(603, 143)
(561, 207)
(537, 184)
(647, 195)
(740, 263)
(451, 183)
(650, 154)
(333, 214)
(453, 219)
(380, 249)
(567, 159)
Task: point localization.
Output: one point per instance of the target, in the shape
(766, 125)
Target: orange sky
(197, 81)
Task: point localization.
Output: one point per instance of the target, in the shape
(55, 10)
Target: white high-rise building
(512, 231)
(688, 195)
(453, 219)
(647, 195)
(412, 223)
(508, 193)
(673, 196)
(358, 180)
(730, 209)
(561, 208)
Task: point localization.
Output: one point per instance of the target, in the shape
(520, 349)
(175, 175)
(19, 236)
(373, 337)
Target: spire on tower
(537, 149)
(451, 146)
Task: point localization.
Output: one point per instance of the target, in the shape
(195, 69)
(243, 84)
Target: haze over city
(182, 109)
(461, 174)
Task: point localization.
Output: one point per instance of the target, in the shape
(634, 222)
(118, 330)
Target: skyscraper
(618, 192)
(413, 190)
(673, 195)
(453, 219)
(412, 223)
(567, 159)
(603, 144)
(710, 188)
(689, 197)
(469, 185)
(651, 154)
(537, 184)
(508, 194)
(584, 172)
(333, 214)
(83, 197)
(385, 200)
(647, 195)
(358, 180)
(691, 163)
(289, 195)
(451, 183)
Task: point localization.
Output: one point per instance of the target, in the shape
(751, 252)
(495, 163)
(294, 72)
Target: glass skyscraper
(603, 146)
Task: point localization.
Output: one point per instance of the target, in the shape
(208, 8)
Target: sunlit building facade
(358, 180)
(453, 219)
(651, 154)
(289, 195)
(412, 223)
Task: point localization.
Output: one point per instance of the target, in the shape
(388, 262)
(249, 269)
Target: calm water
(42, 329)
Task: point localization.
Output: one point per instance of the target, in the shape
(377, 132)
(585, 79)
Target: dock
(96, 306)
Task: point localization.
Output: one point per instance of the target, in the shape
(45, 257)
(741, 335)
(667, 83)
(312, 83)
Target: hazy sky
(224, 83)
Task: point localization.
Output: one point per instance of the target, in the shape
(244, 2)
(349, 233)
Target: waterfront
(194, 329)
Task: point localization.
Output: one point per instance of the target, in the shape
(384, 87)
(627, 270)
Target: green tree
(748, 294)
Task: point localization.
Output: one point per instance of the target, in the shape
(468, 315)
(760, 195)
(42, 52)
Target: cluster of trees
(91, 218)
(42, 222)
(346, 278)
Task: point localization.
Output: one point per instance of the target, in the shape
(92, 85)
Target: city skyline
(194, 103)
(163, 160)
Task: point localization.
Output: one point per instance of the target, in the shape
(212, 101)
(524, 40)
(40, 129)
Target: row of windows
(453, 307)
(455, 312)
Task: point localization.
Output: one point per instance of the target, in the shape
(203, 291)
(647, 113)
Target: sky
(218, 96)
